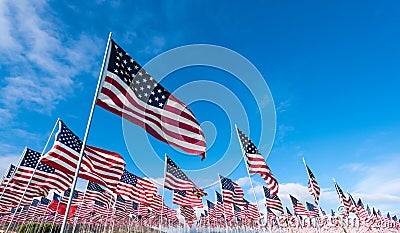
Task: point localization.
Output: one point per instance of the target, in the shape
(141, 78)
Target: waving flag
(231, 192)
(342, 197)
(186, 198)
(96, 193)
(256, 162)
(130, 92)
(312, 210)
(219, 205)
(136, 188)
(272, 201)
(176, 179)
(298, 208)
(98, 165)
(313, 186)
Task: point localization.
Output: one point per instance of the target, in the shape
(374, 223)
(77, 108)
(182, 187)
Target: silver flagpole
(162, 197)
(30, 180)
(251, 182)
(101, 76)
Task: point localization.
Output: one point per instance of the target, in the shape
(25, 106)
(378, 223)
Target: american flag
(120, 203)
(186, 198)
(312, 210)
(130, 92)
(136, 188)
(362, 213)
(353, 205)
(251, 210)
(219, 205)
(342, 197)
(240, 215)
(176, 179)
(43, 179)
(211, 210)
(298, 208)
(96, 193)
(77, 197)
(231, 192)
(157, 203)
(313, 186)
(98, 165)
(7, 177)
(272, 201)
(256, 162)
(189, 214)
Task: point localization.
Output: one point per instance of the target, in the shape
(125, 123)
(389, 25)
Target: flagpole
(313, 190)
(163, 192)
(30, 180)
(251, 182)
(101, 76)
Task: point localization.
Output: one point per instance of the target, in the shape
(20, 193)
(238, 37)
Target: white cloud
(42, 61)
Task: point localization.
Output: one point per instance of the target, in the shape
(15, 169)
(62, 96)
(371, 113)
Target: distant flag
(332, 213)
(231, 192)
(272, 201)
(96, 193)
(353, 205)
(136, 188)
(98, 165)
(186, 198)
(313, 186)
(176, 179)
(219, 205)
(256, 162)
(362, 213)
(298, 208)
(342, 197)
(189, 214)
(312, 210)
(251, 210)
(368, 210)
(322, 211)
(130, 92)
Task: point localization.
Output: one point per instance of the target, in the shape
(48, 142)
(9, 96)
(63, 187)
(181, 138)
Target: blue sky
(331, 67)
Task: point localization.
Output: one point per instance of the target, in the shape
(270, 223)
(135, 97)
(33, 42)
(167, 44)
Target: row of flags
(115, 197)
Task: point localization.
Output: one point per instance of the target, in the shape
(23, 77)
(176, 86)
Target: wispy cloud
(42, 62)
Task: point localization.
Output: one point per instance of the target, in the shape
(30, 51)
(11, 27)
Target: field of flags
(39, 193)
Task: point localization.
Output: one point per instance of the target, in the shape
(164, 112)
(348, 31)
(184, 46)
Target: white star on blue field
(332, 69)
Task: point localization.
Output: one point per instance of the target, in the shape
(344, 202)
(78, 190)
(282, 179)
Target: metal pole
(105, 59)
(251, 182)
(163, 192)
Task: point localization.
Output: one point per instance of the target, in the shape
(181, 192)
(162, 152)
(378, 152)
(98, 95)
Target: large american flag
(256, 162)
(98, 165)
(298, 208)
(313, 186)
(136, 188)
(272, 201)
(231, 192)
(186, 198)
(176, 179)
(129, 91)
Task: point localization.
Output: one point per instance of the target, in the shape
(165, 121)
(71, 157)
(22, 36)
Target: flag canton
(11, 171)
(310, 172)
(288, 211)
(246, 203)
(236, 208)
(44, 201)
(35, 202)
(294, 200)
(180, 192)
(99, 203)
(210, 204)
(359, 203)
(135, 205)
(227, 184)
(30, 159)
(94, 187)
(247, 144)
(174, 170)
(45, 168)
(68, 138)
(205, 213)
(268, 195)
(219, 197)
(310, 207)
(131, 73)
(128, 178)
(120, 199)
(67, 193)
(56, 197)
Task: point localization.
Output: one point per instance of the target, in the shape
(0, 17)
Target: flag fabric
(96, 193)
(298, 208)
(219, 205)
(43, 179)
(130, 92)
(362, 213)
(98, 165)
(186, 198)
(313, 186)
(136, 188)
(272, 201)
(256, 162)
(231, 192)
(189, 214)
(251, 210)
(312, 210)
(288, 211)
(342, 198)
